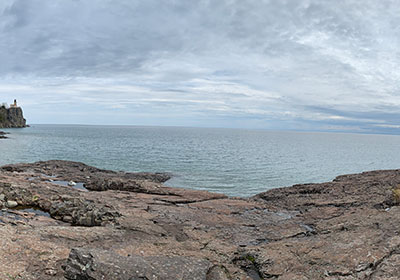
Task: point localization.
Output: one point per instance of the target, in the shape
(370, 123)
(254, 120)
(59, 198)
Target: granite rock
(130, 226)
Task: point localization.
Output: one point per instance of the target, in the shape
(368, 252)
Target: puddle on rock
(41, 176)
(34, 210)
(78, 186)
(47, 176)
(6, 214)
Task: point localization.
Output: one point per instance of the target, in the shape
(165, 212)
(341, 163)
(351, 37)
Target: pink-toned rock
(130, 225)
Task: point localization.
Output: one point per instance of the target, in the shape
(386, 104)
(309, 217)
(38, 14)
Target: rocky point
(11, 117)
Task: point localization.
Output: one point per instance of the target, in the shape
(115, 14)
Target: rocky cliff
(11, 117)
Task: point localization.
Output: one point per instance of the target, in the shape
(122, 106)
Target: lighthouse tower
(14, 105)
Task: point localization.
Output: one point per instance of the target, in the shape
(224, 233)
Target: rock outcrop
(130, 226)
(98, 264)
(11, 117)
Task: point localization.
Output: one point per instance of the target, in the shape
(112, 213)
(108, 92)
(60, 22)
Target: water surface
(234, 162)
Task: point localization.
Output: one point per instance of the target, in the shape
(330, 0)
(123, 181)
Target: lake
(236, 162)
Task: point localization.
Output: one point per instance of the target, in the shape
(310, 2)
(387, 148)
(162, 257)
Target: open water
(231, 161)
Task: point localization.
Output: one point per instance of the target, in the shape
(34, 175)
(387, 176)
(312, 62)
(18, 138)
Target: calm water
(235, 162)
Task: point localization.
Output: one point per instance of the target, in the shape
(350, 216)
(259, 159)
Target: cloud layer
(277, 64)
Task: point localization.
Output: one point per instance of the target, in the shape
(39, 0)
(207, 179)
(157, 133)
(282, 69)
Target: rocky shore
(67, 220)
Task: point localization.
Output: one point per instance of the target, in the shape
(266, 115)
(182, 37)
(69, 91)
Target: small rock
(11, 204)
(218, 273)
(67, 219)
(51, 272)
(71, 183)
(2, 197)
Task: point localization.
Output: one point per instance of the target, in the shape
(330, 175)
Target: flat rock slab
(130, 226)
(97, 264)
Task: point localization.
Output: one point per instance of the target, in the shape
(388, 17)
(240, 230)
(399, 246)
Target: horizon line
(218, 127)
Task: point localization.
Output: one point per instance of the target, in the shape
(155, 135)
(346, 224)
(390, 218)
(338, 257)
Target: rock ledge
(130, 226)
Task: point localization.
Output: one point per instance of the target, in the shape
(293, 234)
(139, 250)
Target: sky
(266, 64)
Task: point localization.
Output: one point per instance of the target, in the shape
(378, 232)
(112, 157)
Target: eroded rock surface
(130, 226)
(97, 264)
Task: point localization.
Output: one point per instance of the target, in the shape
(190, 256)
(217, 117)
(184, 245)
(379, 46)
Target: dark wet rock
(71, 209)
(81, 212)
(80, 172)
(248, 263)
(122, 184)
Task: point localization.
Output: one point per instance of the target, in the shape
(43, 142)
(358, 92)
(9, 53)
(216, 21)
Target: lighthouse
(14, 105)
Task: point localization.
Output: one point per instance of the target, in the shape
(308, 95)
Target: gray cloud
(323, 65)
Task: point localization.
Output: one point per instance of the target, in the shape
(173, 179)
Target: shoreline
(81, 222)
(3, 135)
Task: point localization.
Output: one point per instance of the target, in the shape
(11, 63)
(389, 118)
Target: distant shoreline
(3, 135)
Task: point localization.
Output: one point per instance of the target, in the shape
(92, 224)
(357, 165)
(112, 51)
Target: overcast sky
(308, 65)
